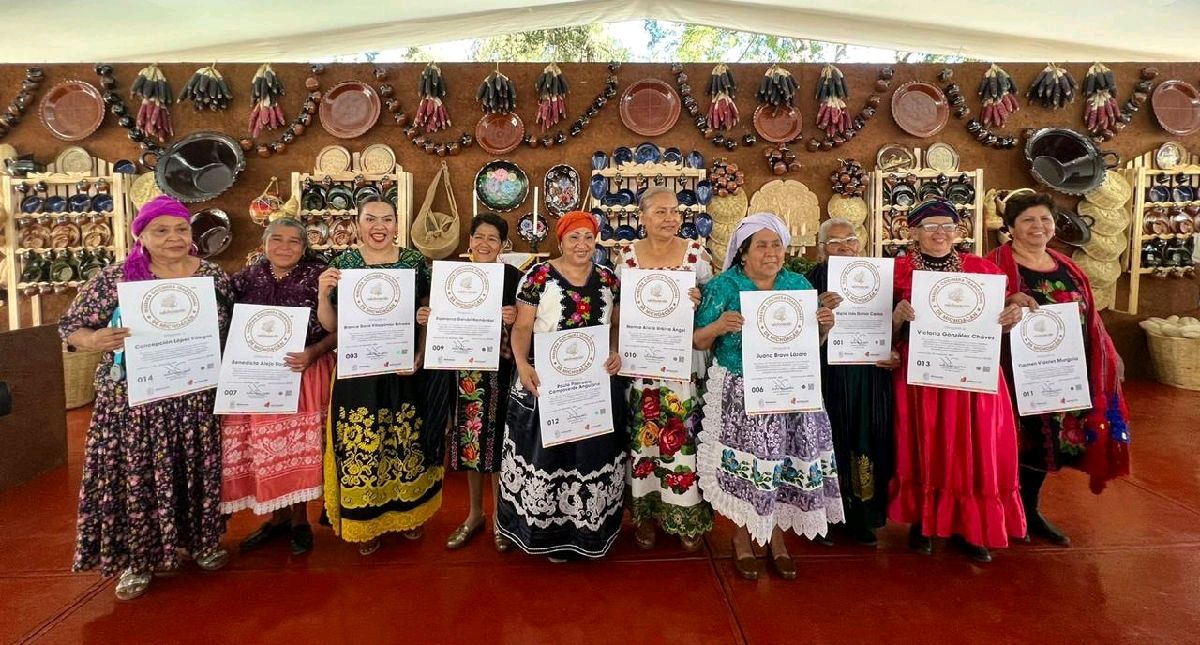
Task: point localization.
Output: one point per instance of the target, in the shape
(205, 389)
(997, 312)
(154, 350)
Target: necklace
(951, 263)
(280, 276)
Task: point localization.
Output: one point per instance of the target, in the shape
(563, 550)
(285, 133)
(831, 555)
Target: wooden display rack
(404, 185)
(631, 175)
(63, 185)
(882, 242)
(1142, 175)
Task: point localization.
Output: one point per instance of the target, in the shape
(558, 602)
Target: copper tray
(650, 107)
(72, 110)
(500, 132)
(1177, 107)
(920, 109)
(777, 124)
(350, 109)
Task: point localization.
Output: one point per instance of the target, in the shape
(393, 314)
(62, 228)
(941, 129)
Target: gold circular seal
(268, 331)
(377, 293)
(572, 354)
(656, 295)
(957, 300)
(1042, 331)
(467, 287)
(780, 319)
(170, 307)
(860, 282)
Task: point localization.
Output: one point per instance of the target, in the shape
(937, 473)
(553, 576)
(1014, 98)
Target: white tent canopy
(62, 31)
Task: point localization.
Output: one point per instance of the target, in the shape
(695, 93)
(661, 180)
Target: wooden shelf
(402, 179)
(875, 219)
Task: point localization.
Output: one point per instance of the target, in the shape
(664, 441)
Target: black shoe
(973, 551)
(862, 535)
(823, 540)
(1041, 527)
(324, 521)
(918, 541)
(302, 539)
(264, 534)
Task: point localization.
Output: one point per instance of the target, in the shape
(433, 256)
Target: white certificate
(574, 399)
(254, 377)
(464, 318)
(1049, 362)
(655, 335)
(781, 352)
(376, 321)
(863, 331)
(954, 342)
(174, 343)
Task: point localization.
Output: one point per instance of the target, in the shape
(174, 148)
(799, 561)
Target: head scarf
(750, 225)
(574, 220)
(931, 208)
(137, 265)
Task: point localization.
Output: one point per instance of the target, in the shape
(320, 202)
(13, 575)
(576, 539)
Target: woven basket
(1176, 360)
(79, 377)
(1113, 193)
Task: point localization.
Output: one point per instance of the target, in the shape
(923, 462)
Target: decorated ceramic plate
(561, 189)
(650, 107)
(1176, 107)
(74, 159)
(894, 157)
(333, 159)
(941, 157)
(72, 110)
(920, 109)
(378, 159)
(350, 109)
(501, 185)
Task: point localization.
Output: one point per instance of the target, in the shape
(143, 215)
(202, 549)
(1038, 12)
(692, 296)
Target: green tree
(583, 44)
(701, 43)
(913, 57)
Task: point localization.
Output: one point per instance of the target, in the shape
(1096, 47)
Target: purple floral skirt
(766, 471)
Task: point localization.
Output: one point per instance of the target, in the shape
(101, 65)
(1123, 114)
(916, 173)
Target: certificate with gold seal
(254, 377)
(954, 342)
(657, 317)
(377, 321)
(1049, 362)
(174, 343)
(465, 316)
(862, 333)
(781, 352)
(574, 398)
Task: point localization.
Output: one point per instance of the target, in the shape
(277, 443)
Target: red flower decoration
(651, 406)
(468, 386)
(644, 468)
(1064, 296)
(680, 482)
(672, 437)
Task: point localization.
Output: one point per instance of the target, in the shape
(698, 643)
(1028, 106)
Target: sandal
(213, 560)
(367, 548)
(131, 585)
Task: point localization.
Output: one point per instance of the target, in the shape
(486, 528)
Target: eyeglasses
(843, 241)
(934, 228)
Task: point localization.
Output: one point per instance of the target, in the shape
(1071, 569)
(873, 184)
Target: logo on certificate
(656, 296)
(957, 300)
(268, 331)
(780, 319)
(572, 354)
(1042, 330)
(170, 307)
(466, 287)
(377, 294)
(860, 282)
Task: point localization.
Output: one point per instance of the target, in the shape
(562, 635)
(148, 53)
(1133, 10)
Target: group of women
(159, 479)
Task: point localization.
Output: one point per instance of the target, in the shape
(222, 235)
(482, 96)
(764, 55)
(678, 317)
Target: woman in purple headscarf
(151, 474)
(767, 473)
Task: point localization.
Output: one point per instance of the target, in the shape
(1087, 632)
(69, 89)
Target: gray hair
(823, 232)
(652, 192)
(286, 222)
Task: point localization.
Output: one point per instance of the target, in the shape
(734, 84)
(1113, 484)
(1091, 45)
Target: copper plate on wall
(350, 109)
(777, 124)
(72, 110)
(1177, 107)
(500, 132)
(650, 107)
(920, 109)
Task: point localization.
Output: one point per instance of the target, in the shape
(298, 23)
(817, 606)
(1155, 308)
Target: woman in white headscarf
(767, 473)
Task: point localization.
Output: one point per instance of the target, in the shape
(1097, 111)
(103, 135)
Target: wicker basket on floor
(79, 377)
(1176, 360)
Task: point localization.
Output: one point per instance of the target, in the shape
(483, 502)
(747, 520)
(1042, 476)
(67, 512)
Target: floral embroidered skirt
(766, 471)
(378, 478)
(274, 460)
(478, 422)
(663, 480)
(151, 481)
(563, 499)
